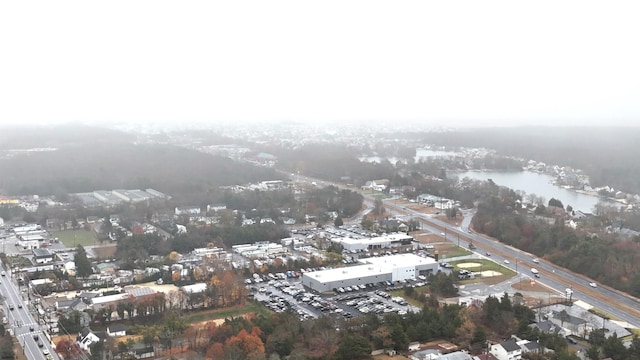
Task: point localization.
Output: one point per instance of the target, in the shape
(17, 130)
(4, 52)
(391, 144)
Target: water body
(541, 185)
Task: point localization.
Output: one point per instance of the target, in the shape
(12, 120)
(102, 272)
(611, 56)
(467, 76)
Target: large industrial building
(389, 241)
(373, 270)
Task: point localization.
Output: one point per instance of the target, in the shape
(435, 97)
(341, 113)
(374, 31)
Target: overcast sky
(450, 62)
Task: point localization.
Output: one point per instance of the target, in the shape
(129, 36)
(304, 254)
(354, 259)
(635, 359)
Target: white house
(86, 338)
(508, 350)
(116, 330)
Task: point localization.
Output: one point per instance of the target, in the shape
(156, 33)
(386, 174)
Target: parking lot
(279, 292)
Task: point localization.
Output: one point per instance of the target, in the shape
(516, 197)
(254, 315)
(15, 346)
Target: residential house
(143, 352)
(568, 322)
(114, 330)
(444, 204)
(87, 337)
(486, 356)
(376, 185)
(507, 350)
(427, 354)
(393, 225)
(458, 355)
(545, 327)
(70, 305)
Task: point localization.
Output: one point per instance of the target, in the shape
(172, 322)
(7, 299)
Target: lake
(540, 185)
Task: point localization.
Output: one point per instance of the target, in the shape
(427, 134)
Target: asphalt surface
(21, 322)
(616, 303)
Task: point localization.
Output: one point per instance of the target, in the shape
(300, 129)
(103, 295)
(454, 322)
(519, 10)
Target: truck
(535, 272)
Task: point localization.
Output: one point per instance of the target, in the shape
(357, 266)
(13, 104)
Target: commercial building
(373, 270)
(388, 241)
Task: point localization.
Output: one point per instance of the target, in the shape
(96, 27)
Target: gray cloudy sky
(476, 62)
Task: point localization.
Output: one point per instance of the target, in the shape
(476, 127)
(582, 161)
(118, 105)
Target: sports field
(73, 238)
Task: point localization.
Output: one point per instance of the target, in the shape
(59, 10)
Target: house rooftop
(40, 252)
(510, 345)
(116, 328)
(139, 291)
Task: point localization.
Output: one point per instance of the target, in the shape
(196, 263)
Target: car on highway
(10, 306)
(506, 261)
(536, 261)
(487, 253)
(593, 285)
(19, 305)
(4, 273)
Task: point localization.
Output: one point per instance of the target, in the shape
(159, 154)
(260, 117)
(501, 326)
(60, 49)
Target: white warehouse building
(373, 270)
(381, 242)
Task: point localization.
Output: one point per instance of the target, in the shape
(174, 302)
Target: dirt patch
(426, 237)
(530, 285)
(387, 357)
(105, 251)
(470, 265)
(489, 273)
(496, 279)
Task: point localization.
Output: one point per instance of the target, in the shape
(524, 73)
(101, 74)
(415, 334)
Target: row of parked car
(365, 303)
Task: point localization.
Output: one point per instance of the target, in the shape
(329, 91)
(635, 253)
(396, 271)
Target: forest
(88, 159)
(283, 335)
(603, 257)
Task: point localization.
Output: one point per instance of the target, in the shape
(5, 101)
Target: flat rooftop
(398, 260)
(371, 266)
(375, 240)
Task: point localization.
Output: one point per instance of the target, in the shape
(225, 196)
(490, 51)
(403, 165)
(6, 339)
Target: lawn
(411, 300)
(485, 265)
(72, 238)
(447, 251)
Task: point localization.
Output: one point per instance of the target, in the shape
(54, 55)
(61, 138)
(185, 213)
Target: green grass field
(486, 265)
(73, 238)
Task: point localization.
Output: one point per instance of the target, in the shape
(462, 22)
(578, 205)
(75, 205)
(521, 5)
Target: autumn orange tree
(244, 345)
(69, 349)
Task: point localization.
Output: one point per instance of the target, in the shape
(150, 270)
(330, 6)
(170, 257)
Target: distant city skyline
(494, 63)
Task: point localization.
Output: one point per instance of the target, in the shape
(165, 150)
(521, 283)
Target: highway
(616, 303)
(22, 323)
(620, 305)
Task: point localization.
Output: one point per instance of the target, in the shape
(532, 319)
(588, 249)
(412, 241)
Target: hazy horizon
(468, 64)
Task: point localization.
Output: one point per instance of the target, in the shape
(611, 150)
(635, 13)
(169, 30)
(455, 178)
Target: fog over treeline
(89, 159)
(607, 155)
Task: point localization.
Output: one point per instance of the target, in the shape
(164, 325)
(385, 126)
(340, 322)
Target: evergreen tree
(83, 265)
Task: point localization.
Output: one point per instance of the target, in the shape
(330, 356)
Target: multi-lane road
(620, 305)
(30, 334)
(616, 303)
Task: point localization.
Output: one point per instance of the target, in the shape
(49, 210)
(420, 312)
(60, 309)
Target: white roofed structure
(381, 242)
(373, 270)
